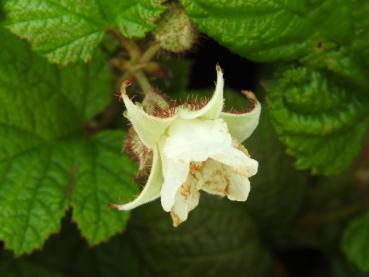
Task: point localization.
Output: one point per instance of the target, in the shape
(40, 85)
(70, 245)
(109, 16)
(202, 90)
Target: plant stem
(150, 53)
(143, 82)
(131, 47)
(142, 62)
(138, 61)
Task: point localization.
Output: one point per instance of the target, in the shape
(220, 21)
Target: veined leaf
(104, 175)
(43, 110)
(219, 238)
(272, 30)
(68, 31)
(319, 120)
(278, 190)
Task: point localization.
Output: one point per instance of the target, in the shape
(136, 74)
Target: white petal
(242, 125)
(213, 179)
(238, 160)
(175, 173)
(196, 140)
(149, 128)
(214, 107)
(239, 187)
(152, 188)
(187, 198)
(222, 180)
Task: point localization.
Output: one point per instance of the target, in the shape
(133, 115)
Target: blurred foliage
(60, 165)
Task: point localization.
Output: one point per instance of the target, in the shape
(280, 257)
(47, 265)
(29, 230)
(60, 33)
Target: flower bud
(175, 32)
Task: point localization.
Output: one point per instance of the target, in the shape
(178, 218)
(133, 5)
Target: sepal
(242, 125)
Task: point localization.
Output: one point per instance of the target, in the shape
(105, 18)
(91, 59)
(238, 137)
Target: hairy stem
(143, 82)
(150, 53)
(133, 50)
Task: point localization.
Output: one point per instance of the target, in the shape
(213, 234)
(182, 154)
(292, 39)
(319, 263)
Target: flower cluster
(192, 150)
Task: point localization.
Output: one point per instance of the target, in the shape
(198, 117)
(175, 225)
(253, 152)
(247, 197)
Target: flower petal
(242, 125)
(196, 140)
(175, 173)
(152, 188)
(187, 198)
(239, 188)
(214, 107)
(238, 160)
(223, 180)
(213, 179)
(149, 128)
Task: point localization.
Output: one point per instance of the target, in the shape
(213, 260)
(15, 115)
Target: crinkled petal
(213, 178)
(175, 173)
(238, 160)
(214, 107)
(239, 188)
(242, 125)
(187, 198)
(222, 180)
(149, 128)
(196, 140)
(152, 188)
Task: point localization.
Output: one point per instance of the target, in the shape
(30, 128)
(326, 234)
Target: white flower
(195, 150)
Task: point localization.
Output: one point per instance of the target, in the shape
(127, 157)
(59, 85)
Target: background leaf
(361, 43)
(267, 31)
(42, 119)
(278, 190)
(219, 238)
(68, 31)
(104, 175)
(213, 241)
(321, 122)
(355, 242)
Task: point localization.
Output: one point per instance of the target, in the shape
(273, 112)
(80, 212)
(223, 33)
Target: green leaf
(272, 30)
(92, 94)
(66, 254)
(123, 256)
(340, 267)
(277, 190)
(10, 267)
(43, 111)
(321, 122)
(355, 241)
(340, 62)
(68, 31)
(104, 176)
(218, 239)
(361, 42)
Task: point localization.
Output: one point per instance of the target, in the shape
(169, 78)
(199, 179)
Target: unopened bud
(175, 32)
